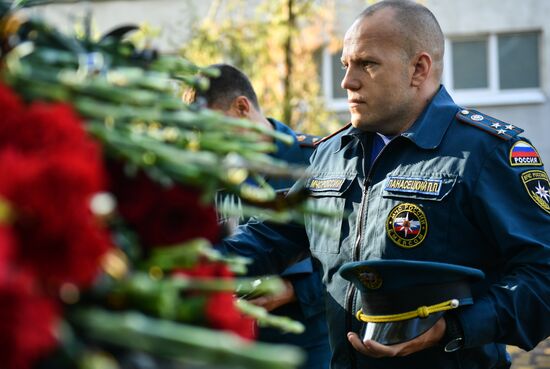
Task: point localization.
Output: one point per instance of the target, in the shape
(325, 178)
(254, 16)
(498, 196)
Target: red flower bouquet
(106, 218)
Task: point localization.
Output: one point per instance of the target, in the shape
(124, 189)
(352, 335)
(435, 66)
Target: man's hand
(374, 349)
(274, 301)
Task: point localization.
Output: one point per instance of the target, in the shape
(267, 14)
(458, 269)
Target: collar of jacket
(291, 153)
(427, 131)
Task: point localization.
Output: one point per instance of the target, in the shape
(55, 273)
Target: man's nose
(350, 82)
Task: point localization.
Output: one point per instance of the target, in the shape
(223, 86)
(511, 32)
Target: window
(332, 74)
(494, 69)
(338, 74)
(518, 57)
(470, 65)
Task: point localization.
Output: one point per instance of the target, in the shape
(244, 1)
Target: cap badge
(370, 278)
(407, 225)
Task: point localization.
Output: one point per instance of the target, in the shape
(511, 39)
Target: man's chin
(361, 124)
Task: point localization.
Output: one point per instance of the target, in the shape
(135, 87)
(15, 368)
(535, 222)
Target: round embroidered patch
(537, 186)
(369, 278)
(407, 225)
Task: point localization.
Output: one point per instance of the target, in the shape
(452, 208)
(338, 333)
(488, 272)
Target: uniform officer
(303, 299)
(415, 177)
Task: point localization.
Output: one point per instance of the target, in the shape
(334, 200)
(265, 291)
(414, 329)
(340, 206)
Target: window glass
(470, 64)
(338, 74)
(518, 58)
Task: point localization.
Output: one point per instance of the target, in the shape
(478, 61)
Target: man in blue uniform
(303, 300)
(415, 177)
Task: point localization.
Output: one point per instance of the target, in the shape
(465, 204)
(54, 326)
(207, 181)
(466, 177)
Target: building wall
(173, 18)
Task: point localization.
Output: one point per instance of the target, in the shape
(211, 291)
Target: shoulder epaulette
(306, 140)
(333, 134)
(488, 124)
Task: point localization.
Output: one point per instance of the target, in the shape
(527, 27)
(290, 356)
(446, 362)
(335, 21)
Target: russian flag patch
(524, 154)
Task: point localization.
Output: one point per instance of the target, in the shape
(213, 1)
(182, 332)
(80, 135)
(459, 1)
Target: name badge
(326, 184)
(425, 186)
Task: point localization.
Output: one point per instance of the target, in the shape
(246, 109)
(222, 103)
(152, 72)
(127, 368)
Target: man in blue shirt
(303, 299)
(416, 177)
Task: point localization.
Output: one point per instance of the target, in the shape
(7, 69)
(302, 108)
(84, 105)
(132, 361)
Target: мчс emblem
(524, 154)
(537, 186)
(370, 278)
(407, 225)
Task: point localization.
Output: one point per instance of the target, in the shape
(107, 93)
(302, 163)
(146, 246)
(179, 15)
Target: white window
(332, 74)
(494, 69)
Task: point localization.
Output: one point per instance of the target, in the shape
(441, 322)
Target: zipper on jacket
(350, 296)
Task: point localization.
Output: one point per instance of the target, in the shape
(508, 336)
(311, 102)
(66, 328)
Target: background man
(303, 300)
(483, 204)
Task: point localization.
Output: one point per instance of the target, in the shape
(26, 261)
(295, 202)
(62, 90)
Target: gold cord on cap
(421, 312)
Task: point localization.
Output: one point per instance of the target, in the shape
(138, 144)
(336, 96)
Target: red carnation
(43, 129)
(206, 269)
(162, 216)
(49, 190)
(6, 250)
(220, 310)
(50, 197)
(50, 169)
(71, 256)
(28, 323)
(12, 108)
(221, 313)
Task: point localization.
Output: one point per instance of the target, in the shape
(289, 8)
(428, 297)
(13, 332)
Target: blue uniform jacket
(306, 280)
(476, 198)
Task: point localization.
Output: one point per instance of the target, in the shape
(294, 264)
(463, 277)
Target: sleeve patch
(488, 124)
(524, 154)
(537, 186)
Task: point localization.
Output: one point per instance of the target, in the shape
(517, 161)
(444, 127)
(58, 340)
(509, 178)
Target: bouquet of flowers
(107, 181)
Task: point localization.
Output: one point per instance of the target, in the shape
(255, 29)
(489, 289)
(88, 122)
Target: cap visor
(402, 331)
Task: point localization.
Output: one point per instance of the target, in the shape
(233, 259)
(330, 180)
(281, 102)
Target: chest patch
(537, 186)
(425, 186)
(326, 184)
(524, 154)
(407, 225)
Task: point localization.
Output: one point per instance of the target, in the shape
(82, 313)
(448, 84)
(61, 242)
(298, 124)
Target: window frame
(492, 95)
(335, 104)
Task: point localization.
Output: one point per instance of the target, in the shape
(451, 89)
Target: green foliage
(258, 40)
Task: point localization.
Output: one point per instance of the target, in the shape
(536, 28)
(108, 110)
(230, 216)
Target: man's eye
(344, 66)
(366, 64)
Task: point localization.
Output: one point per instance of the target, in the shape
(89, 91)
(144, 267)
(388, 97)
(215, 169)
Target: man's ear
(241, 106)
(421, 69)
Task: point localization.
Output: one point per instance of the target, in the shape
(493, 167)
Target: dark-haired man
(415, 177)
(303, 299)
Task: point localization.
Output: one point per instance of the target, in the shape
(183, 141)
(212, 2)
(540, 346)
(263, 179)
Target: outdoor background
(497, 57)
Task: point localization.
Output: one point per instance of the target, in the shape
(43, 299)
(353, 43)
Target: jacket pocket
(328, 196)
